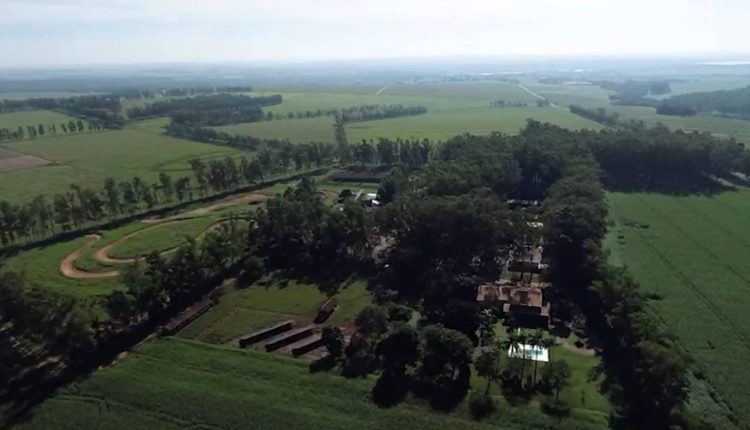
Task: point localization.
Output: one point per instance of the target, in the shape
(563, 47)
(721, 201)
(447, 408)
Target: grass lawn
(170, 383)
(40, 267)
(483, 120)
(161, 237)
(318, 129)
(12, 120)
(88, 158)
(690, 255)
(242, 311)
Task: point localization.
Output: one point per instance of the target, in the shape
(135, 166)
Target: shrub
(555, 407)
(481, 404)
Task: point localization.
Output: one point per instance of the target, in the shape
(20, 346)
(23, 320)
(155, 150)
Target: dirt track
(69, 270)
(246, 198)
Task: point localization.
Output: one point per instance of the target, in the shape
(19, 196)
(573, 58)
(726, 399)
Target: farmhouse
(525, 305)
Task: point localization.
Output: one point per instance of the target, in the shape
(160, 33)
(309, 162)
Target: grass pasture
(161, 237)
(444, 125)
(170, 383)
(723, 127)
(12, 120)
(87, 159)
(690, 255)
(305, 130)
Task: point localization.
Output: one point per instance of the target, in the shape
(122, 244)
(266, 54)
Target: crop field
(476, 121)
(565, 95)
(318, 129)
(88, 158)
(244, 310)
(241, 389)
(12, 120)
(480, 91)
(690, 255)
(724, 127)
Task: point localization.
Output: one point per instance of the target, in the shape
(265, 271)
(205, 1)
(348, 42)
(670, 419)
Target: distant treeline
(726, 102)
(40, 130)
(599, 115)
(354, 113)
(213, 110)
(179, 92)
(631, 91)
(503, 104)
(101, 110)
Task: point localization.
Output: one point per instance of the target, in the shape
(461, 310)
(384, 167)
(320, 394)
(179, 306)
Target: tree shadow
(391, 389)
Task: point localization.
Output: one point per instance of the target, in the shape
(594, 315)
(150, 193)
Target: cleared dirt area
(11, 160)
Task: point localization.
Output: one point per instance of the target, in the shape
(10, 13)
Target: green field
(483, 120)
(41, 267)
(566, 95)
(297, 130)
(176, 384)
(723, 127)
(161, 237)
(12, 120)
(244, 310)
(87, 159)
(690, 255)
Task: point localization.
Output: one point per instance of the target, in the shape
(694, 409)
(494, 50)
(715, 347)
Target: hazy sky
(52, 32)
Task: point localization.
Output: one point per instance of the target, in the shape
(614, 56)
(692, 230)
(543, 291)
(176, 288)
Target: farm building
(524, 304)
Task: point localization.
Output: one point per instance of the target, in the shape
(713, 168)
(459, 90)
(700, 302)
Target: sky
(73, 32)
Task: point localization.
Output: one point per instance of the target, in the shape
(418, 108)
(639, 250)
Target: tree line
(84, 207)
(40, 130)
(135, 94)
(103, 111)
(208, 110)
(599, 115)
(503, 104)
(353, 113)
(734, 103)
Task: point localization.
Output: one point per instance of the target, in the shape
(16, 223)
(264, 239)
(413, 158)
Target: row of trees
(83, 207)
(352, 114)
(646, 372)
(504, 104)
(599, 115)
(734, 102)
(101, 110)
(208, 110)
(159, 287)
(32, 131)
(136, 94)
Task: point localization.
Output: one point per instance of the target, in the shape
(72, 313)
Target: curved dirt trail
(102, 254)
(251, 197)
(69, 270)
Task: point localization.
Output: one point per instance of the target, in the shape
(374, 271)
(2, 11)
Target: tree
(333, 339)
(444, 371)
(487, 364)
(167, 188)
(399, 349)
(112, 196)
(372, 321)
(487, 322)
(557, 375)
